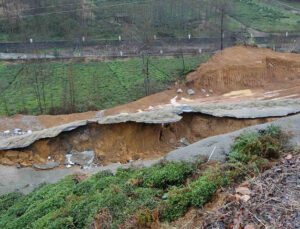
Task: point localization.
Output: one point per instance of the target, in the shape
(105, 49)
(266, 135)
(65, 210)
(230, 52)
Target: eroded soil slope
(244, 67)
(123, 142)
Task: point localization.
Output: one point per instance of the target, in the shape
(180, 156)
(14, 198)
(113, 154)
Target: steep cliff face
(247, 67)
(123, 142)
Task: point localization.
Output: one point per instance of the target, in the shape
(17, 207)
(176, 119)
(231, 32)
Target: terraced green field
(36, 88)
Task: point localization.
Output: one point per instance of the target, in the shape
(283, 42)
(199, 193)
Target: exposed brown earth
(123, 142)
(246, 68)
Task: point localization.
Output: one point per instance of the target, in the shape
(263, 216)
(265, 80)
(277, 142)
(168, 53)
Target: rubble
(191, 92)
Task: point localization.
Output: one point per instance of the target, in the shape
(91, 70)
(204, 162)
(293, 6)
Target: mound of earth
(243, 67)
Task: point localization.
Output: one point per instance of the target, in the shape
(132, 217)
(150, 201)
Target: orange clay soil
(247, 67)
(253, 72)
(123, 142)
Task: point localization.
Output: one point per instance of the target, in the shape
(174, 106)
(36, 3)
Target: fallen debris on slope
(116, 142)
(12, 178)
(273, 201)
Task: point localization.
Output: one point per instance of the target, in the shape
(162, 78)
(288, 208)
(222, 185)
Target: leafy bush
(267, 143)
(8, 200)
(162, 176)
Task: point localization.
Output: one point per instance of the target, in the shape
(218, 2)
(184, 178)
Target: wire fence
(130, 48)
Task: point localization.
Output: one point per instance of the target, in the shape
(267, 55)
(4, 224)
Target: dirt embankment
(123, 142)
(247, 67)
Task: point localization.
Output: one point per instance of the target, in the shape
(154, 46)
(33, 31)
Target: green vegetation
(138, 197)
(135, 20)
(292, 3)
(265, 17)
(62, 87)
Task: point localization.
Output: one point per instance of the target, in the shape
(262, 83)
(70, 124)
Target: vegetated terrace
(60, 87)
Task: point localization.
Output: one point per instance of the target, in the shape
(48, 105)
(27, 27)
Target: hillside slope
(137, 20)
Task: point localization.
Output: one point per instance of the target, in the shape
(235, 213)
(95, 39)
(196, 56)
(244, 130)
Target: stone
(80, 158)
(250, 226)
(243, 190)
(6, 161)
(100, 114)
(48, 165)
(191, 92)
(245, 198)
(184, 141)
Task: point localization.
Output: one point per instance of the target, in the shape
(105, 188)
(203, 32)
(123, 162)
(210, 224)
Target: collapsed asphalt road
(26, 179)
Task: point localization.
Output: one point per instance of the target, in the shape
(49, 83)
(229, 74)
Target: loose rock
(191, 92)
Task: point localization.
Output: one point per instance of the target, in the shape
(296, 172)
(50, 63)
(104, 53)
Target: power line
(69, 11)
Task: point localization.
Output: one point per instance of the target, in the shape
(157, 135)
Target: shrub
(144, 218)
(266, 143)
(176, 205)
(205, 187)
(8, 200)
(162, 176)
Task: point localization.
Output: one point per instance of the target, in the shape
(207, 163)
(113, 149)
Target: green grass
(137, 197)
(97, 85)
(265, 17)
(170, 18)
(293, 4)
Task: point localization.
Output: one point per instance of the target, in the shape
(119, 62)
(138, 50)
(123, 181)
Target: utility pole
(222, 27)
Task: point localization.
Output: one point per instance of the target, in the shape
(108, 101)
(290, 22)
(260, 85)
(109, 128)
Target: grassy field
(265, 17)
(139, 197)
(293, 4)
(89, 85)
